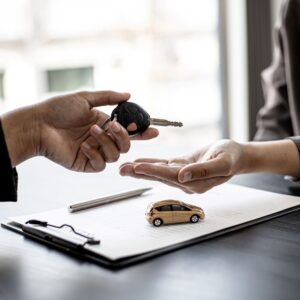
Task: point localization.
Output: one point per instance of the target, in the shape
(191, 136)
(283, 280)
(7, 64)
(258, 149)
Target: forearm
(281, 157)
(22, 133)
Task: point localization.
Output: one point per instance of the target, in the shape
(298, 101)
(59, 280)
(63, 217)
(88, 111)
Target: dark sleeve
(274, 119)
(8, 175)
(296, 140)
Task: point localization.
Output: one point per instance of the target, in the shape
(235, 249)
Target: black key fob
(132, 117)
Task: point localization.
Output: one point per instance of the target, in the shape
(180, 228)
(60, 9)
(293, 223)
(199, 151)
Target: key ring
(103, 126)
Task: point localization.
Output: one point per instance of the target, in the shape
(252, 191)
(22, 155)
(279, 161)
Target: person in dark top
(277, 120)
(280, 116)
(66, 130)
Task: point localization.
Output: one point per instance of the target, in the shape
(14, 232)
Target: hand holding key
(135, 119)
(66, 130)
(135, 122)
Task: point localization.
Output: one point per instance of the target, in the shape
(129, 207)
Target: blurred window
(70, 79)
(164, 52)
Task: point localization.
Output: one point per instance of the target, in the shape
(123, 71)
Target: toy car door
(180, 214)
(165, 213)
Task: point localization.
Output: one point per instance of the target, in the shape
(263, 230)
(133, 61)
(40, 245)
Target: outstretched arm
(217, 163)
(66, 130)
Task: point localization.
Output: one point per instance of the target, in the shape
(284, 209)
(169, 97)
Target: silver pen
(107, 199)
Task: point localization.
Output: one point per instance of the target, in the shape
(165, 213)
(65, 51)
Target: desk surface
(259, 262)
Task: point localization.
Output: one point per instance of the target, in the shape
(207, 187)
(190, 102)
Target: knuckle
(199, 190)
(203, 172)
(101, 134)
(114, 157)
(117, 156)
(226, 167)
(100, 167)
(83, 94)
(125, 148)
(228, 170)
(171, 161)
(95, 132)
(190, 192)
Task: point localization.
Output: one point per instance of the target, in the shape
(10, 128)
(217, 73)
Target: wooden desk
(260, 262)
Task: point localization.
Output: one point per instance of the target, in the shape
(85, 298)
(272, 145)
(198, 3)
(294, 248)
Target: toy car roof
(168, 202)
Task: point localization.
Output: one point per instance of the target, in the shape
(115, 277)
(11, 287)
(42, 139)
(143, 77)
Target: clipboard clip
(89, 240)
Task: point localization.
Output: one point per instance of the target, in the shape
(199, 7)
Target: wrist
(250, 158)
(258, 157)
(281, 157)
(21, 129)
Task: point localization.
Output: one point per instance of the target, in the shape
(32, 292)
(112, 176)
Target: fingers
(127, 169)
(109, 149)
(203, 185)
(120, 136)
(101, 148)
(195, 173)
(151, 160)
(148, 134)
(155, 172)
(96, 161)
(168, 172)
(176, 161)
(101, 98)
(158, 170)
(217, 167)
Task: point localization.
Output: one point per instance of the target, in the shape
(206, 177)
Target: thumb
(212, 168)
(102, 98)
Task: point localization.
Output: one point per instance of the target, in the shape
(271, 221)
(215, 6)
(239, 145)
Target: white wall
(237, 69)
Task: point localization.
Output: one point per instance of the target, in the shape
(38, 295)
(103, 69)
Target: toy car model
(173, 211)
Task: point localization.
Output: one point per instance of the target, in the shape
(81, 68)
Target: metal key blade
(162, 122)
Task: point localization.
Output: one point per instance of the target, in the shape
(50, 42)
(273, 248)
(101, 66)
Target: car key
(135, 119)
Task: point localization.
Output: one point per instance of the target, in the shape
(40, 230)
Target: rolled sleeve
(8, 174)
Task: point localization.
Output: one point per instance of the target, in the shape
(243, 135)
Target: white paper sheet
(124, 231)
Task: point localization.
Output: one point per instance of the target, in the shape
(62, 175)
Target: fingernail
(86, 146)
(116, 127)
(123, 173)
(97, 129)
(138, 170)
(132, 127)
(186, 177)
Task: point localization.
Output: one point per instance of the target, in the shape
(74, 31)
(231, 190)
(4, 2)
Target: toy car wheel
(194, 218)
(157, 222)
